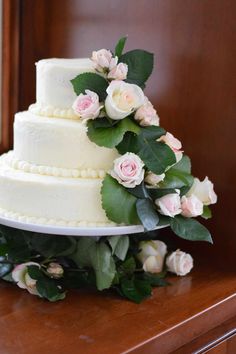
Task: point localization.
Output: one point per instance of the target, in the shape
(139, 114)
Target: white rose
(152, 255)
(128, 170)
(21, 276)
(55, 270)
(103, 60)
(191, 206)
(179, 262)
(119, 72)
(147, 115)
(169, 204)
(87, 106)
(152, 179)
(204, 191)
(122, 99)
(174, 144)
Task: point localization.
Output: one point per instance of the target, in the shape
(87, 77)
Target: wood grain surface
(88, 322)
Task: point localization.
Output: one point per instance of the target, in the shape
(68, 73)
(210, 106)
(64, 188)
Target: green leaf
(135, 289)
(103, 265)
(129, 265)
(49, 245)
(140, 66)
(139, 191)
(156, 156)
(155, 279)
(5, 268)
(17, 243)
(119, 205)
(207, 214)
(119, 246)
(160, 192)
(190, 229)
(92, 82)
(152, 133)
(98, 256)
(4, 248)
(147, 214)
(128, 144)
(113, 135)
(35, 272)
(120, 46)
(179, 175)
(77, 279)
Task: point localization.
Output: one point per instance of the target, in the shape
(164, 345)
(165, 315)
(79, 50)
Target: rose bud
(55, 270)
(174, 144)
(191, 206)
(103, 60)
(146, 115)
(21, 276)
(152, 179)
(179, 262)
(204, 191)
(152, 255)
(169, 204)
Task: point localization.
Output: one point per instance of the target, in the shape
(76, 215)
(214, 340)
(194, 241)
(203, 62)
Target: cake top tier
(54, 91)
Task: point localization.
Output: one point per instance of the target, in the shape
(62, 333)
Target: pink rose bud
(152, 179)
(128, 170)
(204, 191)
(55, 270)
(174, 144)
(169, 204)
(119, 72)
(87, 106)
(191, 206)
(103, 59)
(146, 115)
(179, 262)
(152, 254)
(21, 276)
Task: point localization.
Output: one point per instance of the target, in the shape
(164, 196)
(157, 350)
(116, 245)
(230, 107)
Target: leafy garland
(138, 205)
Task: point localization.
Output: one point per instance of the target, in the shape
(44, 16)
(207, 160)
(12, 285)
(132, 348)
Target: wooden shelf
(90, 322)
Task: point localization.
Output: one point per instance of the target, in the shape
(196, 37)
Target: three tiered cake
(54, 173)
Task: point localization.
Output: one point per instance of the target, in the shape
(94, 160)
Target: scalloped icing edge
(53, 222)
(54, 112)
(25, 166)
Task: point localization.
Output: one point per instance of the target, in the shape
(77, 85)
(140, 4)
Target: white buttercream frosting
(54, 88)
(49, 197)
(59, 143)
(25, 166)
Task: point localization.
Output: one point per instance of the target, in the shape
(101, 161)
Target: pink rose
(119, 72)
(191, 206)
(103, 60)
(146, 115)
(169, 204)
(174, 144)
(87, 106)
(21, 276)
(204, 191)
(179, 262)
(152, 254)
(128, 170)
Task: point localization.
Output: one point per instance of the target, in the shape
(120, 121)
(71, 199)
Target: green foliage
(110, 135)
(120, 46)
(5, 268)
(207, 214)
(50, 245)
(118, 203)
(47, 287)
(92, 82)
(135, 289)
(97, 255)
(147, 214)
(189, 229)
(140, 66)
(179, 175)
(119, 246)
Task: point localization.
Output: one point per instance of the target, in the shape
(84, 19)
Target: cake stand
(75, 231)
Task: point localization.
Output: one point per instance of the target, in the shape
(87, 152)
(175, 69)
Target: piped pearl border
(50, 111)
(44, 221)
(25, 166)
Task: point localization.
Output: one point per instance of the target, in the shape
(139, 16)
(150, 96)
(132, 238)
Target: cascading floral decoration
(150, 184)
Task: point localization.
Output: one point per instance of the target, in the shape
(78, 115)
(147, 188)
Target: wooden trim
(10, 69)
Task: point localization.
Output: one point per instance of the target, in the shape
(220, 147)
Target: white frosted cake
(54, 173)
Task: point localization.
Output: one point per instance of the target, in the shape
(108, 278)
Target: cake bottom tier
(50, 200)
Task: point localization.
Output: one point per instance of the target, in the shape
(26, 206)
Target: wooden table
(190, 313)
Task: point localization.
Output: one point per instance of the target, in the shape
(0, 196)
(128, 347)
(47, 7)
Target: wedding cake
(54, 173)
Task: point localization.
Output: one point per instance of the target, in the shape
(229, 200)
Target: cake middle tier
(57, 142)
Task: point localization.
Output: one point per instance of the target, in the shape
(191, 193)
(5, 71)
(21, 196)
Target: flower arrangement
(150, 184)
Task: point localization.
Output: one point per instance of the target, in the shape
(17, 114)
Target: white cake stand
(75, 231)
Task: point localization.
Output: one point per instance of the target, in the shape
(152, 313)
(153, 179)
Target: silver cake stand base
(75, 231)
